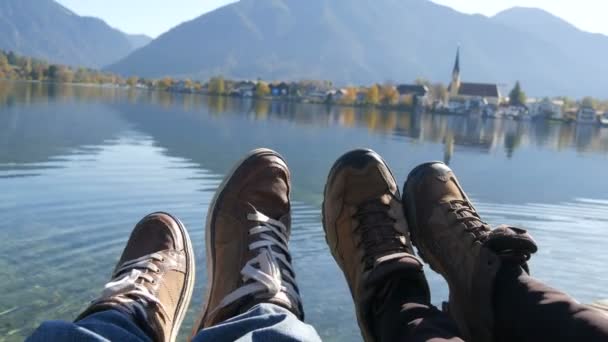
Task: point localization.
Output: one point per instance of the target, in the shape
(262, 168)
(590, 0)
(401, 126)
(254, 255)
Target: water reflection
(480, 134)
(80, 165)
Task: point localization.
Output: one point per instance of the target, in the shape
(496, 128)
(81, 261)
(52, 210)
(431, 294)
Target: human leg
(528, 310)
(110, 325)
(492, 296)
(148, 294)
(368, 236)
(263, 322)
(248, 260)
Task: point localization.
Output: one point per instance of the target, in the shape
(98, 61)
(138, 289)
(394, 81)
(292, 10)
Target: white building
(546, 108)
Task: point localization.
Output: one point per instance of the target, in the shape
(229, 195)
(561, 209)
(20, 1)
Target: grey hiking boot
(452, 238)
(367, 233)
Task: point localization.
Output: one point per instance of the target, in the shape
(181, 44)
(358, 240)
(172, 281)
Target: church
(469, 94)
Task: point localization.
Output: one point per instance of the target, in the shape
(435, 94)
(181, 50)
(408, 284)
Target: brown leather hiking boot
(452, 238)
(153, 279)
(248, 228)
(367, 232)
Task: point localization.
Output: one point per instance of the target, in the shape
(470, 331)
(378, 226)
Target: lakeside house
(419, 93)
(361, 96)
(280, 89)
(336, 95)
(587, 115)
(244, 88)
(546, 108)
(465, 96)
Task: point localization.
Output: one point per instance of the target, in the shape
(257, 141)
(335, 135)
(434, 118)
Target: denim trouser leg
(108, 325)
(264, 322)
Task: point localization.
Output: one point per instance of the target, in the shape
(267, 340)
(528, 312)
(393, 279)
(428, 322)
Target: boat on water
(604, 119)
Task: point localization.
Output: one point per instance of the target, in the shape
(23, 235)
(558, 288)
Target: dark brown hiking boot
(367, 232)
(153, 279)
(452, 238)
(248, 228)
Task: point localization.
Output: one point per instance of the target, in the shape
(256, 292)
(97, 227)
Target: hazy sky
(154, 17)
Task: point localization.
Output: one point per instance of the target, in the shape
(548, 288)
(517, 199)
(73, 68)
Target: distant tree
(389, 94)
(188, 84)
(13, 59)
(262, 89)
(165, 83)
(25, 66)
(217, 86)
(407, 101)
(589, 102)
(351, 96)
(373, 95)
(52, 72)
(132, 81)
(66, 75)
(517, 97)
(198, 86)
(3, 62)
(38, 72)
(569, 103)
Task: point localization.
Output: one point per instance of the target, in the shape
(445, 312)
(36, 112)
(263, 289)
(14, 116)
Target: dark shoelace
(378, 235)
(465, 213)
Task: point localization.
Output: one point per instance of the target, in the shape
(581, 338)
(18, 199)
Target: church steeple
(455, 85)
(456, 71)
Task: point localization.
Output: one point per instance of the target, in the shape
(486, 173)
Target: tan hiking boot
(452, 238)
(366, 230)
(154, 278)
(248, 228)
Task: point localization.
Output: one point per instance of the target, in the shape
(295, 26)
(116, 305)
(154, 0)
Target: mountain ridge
(48, 30)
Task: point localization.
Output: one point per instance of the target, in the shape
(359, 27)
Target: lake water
(80, 166)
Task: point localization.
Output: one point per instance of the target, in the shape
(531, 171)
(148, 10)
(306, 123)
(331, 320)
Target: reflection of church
(470, 94)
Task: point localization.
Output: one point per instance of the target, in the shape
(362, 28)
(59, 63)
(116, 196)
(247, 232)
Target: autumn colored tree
(188, 83)
(132, 81)
(389, 94)
(165, 83)
(351, 96)
(217, 86)
(262, 89)
(373, 95)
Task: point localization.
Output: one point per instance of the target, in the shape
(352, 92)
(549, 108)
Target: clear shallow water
(80, 166)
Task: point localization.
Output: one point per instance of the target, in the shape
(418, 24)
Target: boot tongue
(510, 242)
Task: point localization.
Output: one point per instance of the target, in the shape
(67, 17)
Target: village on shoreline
(458, 98)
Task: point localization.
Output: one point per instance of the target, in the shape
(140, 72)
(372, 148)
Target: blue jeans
(264, 322)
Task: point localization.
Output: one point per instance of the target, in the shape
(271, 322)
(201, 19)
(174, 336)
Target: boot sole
(209, 233)
(186, 295)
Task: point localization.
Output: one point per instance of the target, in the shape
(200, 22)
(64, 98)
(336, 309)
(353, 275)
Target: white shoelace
(127, 287)
(262, 274)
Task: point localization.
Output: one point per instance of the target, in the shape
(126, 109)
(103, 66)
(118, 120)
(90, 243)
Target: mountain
(362, 41)
(138, 40)
(47, 30)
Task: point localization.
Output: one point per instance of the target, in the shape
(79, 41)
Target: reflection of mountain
(49, 125)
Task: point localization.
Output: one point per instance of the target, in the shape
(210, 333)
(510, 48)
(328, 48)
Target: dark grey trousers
(524, 310)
